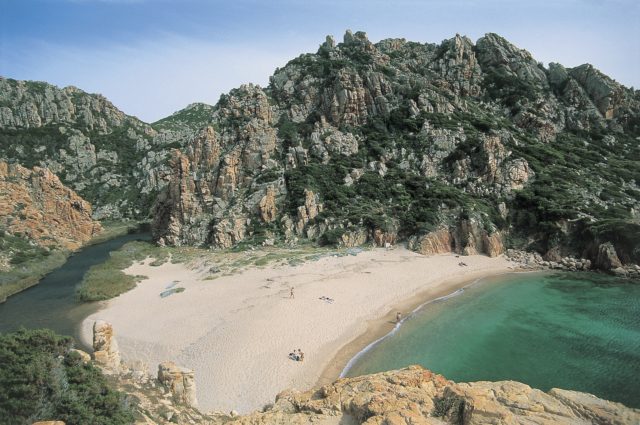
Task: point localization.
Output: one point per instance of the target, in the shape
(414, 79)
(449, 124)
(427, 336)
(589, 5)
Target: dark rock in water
(607, 257)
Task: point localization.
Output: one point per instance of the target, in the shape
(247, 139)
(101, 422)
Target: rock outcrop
(179, 381)
(462, 136)
(435, 242)
(37, 206)
(268, 209)
(417, 396)
(607, 259)
(106, 353)
(466, 238)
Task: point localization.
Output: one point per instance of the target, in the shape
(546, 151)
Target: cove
(576, 331)
(52, 303)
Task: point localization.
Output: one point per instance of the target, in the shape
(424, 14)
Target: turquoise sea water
(577, 331)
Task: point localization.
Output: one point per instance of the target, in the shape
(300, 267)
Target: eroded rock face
(268, 209)
(352, 238)
(105, 347)
(467, 238)
(179, 381)
(436, 242)
(35, 204)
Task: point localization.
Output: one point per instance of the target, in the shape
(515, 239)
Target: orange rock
(36, 204)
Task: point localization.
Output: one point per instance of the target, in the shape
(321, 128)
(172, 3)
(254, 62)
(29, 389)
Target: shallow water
(52, 303)
(577, 331)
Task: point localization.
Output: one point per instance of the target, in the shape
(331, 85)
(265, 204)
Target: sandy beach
(236, 331)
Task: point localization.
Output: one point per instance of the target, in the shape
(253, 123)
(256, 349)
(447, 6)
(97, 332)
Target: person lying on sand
(297, 355)
(327, 299)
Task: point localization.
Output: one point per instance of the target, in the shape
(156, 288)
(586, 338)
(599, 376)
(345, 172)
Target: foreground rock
(417, 396)
(409, 396)
(37, 206)
(179, 381)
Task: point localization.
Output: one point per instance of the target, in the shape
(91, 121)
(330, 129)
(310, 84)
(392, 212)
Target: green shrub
(41, 380)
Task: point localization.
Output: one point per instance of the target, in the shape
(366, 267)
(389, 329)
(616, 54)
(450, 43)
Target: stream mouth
(52, 303)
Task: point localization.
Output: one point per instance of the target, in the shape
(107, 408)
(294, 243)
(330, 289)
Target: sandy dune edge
(236, 331)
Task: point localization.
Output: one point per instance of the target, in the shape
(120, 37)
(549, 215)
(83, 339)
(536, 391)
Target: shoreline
(236, 330)
(60, 256)
(381, 328)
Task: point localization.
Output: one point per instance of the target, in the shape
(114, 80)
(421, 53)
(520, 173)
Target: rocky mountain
(470, 147)
(193, 117)
(458, 146)
(113, 160)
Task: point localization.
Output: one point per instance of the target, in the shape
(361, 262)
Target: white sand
(236, 331)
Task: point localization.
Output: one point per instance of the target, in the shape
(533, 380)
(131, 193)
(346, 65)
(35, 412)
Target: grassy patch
(108, 280)
(29, 273)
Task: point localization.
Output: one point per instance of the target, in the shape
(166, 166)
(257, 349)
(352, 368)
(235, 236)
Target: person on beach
(291, 296)
(398, 317)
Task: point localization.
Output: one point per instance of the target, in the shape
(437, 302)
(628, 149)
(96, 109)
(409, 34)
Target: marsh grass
(29, 273)
(108, 280)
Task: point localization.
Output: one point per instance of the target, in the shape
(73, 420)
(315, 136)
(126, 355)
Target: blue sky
(153, 57)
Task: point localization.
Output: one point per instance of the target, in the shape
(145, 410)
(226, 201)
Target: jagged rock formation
(179, 381)
(113, 160)
(36, 206)
(105, 347)
(459, 147)
(417, 396)
(392, 141)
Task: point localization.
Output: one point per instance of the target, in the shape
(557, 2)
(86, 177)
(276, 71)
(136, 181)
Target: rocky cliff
(113, 160)
(37, 207)
(460, 146)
